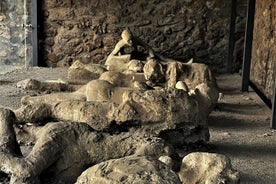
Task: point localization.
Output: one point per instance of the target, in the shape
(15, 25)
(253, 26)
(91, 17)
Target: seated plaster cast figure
(157, 69)
(119, 60)
(129, 40)
(64, 150)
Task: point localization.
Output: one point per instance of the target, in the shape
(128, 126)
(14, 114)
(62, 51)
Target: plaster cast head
(135, 65)
(127, 36)
(153, 71)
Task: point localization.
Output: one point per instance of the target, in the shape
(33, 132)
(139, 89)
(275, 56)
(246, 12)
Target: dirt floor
(240, 129)
(239, 125)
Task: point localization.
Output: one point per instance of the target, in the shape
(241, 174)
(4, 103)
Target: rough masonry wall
(180, 29)
(263, 66)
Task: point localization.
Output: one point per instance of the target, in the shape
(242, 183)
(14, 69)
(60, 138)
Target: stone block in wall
(49, 41)
(61, 14)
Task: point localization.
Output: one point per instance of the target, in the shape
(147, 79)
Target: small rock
(200, 167)
(142, 170)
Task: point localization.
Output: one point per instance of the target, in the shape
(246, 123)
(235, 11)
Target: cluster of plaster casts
(141, 98)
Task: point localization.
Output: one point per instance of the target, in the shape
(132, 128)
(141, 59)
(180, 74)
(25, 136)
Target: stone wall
(12, 33)
(263, 66)
(180, 29)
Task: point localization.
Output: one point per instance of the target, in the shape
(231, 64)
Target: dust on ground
(10, 95)
(239, 125)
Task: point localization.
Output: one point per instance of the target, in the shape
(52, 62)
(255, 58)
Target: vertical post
(232, 27)
(34, 33)
(25, 34)
(248, 44)
(273, 118)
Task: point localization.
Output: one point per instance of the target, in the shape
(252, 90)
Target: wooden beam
(34, 33)
(248, 45)
(273, 118)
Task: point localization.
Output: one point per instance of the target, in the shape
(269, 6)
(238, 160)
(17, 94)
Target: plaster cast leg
(8, 143)
(24, 170)
(10, 152)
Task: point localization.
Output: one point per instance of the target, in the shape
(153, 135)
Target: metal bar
(248, 45)
(34, 33)
(273, 118)
(260, 94)
(232, 27)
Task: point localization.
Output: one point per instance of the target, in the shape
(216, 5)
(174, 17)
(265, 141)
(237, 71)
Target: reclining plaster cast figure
(150, 112)
(120, 79)
(64, 150)
(194, 78)
(100, 103)
(81, 73)
(50, 86)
